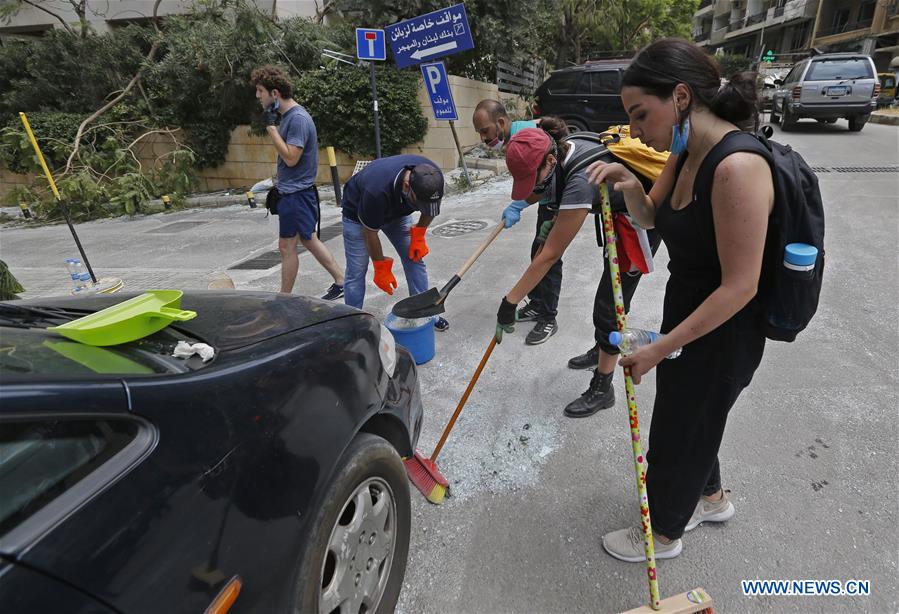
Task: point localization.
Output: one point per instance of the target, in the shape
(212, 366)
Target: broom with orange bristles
(423, 472)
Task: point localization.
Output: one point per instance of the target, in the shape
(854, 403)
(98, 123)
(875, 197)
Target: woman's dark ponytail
(737, 102)
(557, 130)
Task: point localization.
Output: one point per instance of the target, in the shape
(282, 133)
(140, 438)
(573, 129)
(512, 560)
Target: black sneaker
(528, 313)
(589, 360)
(542, 331)
(600, 395)
(440, 324)
(333, 293)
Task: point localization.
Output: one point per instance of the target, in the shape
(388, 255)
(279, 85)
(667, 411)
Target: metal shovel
(430, 303)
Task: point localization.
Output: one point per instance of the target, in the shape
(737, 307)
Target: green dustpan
(128, 321)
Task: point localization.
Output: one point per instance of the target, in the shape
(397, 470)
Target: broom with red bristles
(423, 472)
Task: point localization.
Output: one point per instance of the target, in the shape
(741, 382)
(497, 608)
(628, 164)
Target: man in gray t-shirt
(296, 142)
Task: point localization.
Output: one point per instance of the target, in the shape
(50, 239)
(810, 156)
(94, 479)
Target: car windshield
(831, 70)
(28, 349)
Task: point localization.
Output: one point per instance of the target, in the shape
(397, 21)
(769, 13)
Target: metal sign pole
(459, 149)
(374, 95)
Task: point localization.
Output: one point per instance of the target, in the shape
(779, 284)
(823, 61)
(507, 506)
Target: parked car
(827, 87)
(587, 97)
(766, 93)
(134, 481)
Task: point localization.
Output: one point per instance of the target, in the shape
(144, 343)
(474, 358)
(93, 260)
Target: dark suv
(587, 97)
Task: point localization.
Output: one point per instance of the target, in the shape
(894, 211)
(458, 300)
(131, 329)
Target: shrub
(339, 100)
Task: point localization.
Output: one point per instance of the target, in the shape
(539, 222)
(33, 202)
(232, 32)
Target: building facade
(104, 15)
(790, 29)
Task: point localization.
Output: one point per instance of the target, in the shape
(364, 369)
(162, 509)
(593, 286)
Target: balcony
(757, 18)
(701, 37)
(794, 9)
(736, 25)
(846, 27)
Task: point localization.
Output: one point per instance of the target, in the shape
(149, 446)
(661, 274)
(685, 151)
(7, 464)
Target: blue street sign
(438, 87)
(430, 36)
(370, 44)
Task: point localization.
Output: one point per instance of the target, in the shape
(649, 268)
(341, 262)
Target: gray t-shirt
(298, 129)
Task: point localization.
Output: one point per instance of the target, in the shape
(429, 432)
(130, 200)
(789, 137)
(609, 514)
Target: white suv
(827, 87)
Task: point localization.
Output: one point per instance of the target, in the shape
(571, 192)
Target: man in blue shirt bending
(296, 142)
(382, 198)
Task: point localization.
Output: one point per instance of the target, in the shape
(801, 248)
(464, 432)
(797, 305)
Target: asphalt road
(809, 454)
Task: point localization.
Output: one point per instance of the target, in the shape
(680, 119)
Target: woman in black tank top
(676, 100)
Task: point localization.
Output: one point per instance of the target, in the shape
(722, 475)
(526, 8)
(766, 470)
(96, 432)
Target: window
(866, 10)
(793, 75)
(604, 82)
(562, 83)
(828, 70)
(41, 460)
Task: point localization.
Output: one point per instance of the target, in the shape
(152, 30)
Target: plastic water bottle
(799, 260)
(76, 272)
(634, 338)
(86, 281)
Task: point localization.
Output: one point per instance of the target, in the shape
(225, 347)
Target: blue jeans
(357, 258)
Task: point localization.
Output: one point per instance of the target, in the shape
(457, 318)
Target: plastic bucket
(419, 340)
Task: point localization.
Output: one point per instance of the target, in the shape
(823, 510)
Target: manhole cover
(462, 227)
(176, 227)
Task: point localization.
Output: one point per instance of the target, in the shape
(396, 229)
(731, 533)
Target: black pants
(604, 321)
(694, 394)
(545, 295)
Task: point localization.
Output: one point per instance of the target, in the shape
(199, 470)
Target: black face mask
(544, 185)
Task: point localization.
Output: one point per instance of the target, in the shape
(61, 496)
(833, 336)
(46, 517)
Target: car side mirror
(778, 82)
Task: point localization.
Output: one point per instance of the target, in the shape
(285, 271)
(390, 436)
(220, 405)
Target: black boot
(589, 360)
(600, 395)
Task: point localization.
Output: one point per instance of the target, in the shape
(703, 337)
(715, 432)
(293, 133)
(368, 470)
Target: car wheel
(576, 125)
(789, 120)
(355, 554)
(775, 118)
(857, 122)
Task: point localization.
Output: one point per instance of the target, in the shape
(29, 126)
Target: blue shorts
(297, 214)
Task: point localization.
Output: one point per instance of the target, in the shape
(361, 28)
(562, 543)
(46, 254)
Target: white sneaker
(711, 511)
(627, 545)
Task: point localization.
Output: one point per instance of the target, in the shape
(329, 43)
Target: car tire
(576, 125)
(370, 472)
(857, 122)
(775, 118)
(789, 120)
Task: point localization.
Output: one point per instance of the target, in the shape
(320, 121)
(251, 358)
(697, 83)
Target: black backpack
(788, 301)
(592, 147)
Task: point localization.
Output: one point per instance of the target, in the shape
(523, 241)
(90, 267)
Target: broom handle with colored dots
(621, 318)
(474, 380)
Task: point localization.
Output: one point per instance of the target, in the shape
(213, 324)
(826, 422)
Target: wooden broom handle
(474, 380)
(480, 250)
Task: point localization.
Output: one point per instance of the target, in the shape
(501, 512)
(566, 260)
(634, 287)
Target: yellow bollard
(335, 178)
(26, 211)
(166, 202)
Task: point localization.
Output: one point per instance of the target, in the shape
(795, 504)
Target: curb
(878, 118)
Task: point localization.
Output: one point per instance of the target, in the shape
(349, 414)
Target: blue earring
(679, 137)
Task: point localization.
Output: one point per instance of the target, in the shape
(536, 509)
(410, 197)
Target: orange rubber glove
(418, 249)
(384, 278)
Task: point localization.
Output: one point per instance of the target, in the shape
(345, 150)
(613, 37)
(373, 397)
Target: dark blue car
(268, 479)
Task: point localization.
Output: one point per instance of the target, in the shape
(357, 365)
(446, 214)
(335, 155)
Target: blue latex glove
(512, 213)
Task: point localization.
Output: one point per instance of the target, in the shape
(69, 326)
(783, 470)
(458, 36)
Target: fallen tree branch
(137, 77)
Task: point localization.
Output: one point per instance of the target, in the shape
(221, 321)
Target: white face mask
(496, 144)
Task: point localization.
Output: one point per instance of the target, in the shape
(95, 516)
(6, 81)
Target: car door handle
(583, 100)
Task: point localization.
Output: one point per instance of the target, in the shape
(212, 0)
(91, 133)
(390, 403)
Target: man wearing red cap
(535, 161)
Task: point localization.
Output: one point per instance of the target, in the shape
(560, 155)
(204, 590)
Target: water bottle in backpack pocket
(793, 263)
